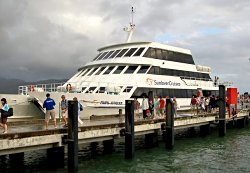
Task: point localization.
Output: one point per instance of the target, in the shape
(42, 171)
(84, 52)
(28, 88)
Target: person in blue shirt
(4, 108)
(49, 104)
(80, 108)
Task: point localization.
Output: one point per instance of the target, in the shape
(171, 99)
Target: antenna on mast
(130, 27)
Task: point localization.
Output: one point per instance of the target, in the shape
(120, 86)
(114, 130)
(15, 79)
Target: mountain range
(10, 86)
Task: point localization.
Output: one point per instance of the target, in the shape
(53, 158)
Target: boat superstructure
(133, 69)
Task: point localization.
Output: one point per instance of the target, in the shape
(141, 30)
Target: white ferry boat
(132, 69)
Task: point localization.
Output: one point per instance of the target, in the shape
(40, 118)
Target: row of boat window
(150, 53)
(118, 70)
(181, 73)
(169, 55)
(163, 92)
(95, 89)
(143, 69)
(119, 53)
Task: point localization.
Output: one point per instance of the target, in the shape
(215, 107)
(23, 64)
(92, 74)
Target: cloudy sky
(53, 38)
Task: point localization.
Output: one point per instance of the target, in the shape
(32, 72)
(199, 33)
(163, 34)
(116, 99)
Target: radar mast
(130, 28)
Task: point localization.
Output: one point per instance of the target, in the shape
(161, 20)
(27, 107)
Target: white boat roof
(149, 44)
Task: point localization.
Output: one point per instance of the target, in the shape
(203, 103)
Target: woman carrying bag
(4, 108)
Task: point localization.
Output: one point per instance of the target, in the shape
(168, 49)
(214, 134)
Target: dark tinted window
(92, 72)
(114, 54)
(101, 90)
(121, 53)
(179, 93)
(130, 52)
(85, 72)
(119, 69)
(127, 89)
(100, 57)
(164, 54)
(159, 54)
(99, 71)
(83, 88)
(80, 72)
(150, 53)
(154, 70)
(169, 55)
(143, 69)
(130, 69)
(97, 56)
(90, 90)
(108, 54)
(109, 70)
(180, 73)
(139, 51)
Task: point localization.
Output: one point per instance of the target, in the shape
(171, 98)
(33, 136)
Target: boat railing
(193, 81)
(75, 87)
(226, 83)
(53, 87)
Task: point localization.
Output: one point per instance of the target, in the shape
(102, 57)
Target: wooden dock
(29, 135)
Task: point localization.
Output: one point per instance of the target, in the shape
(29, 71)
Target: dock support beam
(129, 130)
(169, 143)
(73, 136)
(242, 122)
(222, 110)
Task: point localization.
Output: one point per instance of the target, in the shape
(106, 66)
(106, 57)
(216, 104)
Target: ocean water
(229, 154)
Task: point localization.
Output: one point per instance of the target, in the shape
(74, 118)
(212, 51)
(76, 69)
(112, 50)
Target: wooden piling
(72, 136)
(169, 143)
(222, 110)
(129, 129)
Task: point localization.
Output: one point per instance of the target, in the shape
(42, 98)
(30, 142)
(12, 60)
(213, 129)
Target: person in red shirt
(162, 106)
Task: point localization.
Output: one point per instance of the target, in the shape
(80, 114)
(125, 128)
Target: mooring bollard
(222, 110)
(72, 136)
(169, 142)
(129, 129)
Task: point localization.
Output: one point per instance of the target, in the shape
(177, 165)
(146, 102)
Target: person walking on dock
(162, 106)
(156, 107)
(49, 104)
(193, 104)
(4, 108)
(145, 106)
(206, 104)
(175, 106)
(80, 108)
(64, 109)
(136, 107)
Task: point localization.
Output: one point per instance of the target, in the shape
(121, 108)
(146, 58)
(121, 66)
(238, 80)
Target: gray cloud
(52, 39)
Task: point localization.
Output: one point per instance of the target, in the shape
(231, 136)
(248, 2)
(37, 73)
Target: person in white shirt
(144, 106)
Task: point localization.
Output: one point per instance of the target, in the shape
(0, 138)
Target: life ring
(68, 87)
(32, 88)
